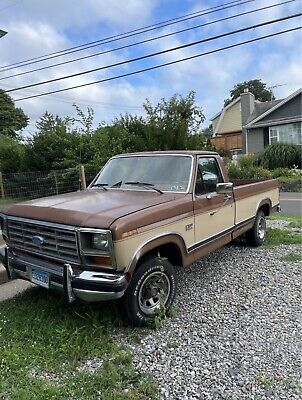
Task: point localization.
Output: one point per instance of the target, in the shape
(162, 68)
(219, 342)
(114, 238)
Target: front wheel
(153, 285)
(256, 235)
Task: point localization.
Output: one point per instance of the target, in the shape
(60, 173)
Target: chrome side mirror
(224, 188)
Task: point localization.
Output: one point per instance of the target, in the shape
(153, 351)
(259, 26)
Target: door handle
(213, 212)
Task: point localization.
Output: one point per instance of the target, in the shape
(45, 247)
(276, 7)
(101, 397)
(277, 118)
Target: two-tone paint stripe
(219, 235)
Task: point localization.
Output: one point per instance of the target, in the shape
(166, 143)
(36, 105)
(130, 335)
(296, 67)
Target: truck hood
(91, 208)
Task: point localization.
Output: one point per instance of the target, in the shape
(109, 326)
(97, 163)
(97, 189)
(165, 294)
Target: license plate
(40, 278)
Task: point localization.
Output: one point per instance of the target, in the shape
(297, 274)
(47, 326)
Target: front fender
(154, 243)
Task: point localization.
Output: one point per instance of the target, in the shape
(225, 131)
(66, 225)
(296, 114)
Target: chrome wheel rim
(154, 292)
(261, 228)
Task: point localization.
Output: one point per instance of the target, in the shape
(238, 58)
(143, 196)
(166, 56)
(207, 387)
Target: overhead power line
(161, 65)
(125, 35)
(149, 40)
(10, 5)
(156, 53)
(85, 102)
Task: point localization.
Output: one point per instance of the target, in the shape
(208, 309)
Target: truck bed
(250, 193)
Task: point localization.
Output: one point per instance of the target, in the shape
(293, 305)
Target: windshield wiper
(145, 184)
(101, 185)
(117, 184)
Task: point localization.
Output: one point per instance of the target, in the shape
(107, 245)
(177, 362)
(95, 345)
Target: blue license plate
(40, 277)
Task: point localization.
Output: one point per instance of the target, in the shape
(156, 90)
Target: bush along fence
(31, 185)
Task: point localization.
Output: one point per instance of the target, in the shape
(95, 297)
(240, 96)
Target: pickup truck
(143, 215)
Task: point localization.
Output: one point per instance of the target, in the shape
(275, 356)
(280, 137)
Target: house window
(288, 133)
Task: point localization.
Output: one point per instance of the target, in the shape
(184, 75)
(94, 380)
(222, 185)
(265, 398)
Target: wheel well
(266, 209)
(169, 250)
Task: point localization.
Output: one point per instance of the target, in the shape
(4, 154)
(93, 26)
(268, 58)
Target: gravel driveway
(237, 330)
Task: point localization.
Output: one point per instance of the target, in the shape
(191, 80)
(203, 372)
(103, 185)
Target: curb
(3, 275)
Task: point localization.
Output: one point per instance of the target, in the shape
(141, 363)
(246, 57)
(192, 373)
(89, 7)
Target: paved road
(291, 203)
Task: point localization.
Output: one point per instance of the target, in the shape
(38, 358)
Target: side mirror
(224, 188)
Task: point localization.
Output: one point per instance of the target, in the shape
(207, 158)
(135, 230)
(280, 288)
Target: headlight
(100, 241)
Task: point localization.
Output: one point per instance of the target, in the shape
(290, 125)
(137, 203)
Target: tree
(12, 154)
(255, 86)
(55, 145)
(61, 143)
(171, 122)
(208, 131)
(12, 119)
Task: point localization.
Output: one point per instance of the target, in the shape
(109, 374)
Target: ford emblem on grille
(37, 240)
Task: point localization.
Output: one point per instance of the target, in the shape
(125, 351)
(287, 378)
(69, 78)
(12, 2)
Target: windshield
(168, 173)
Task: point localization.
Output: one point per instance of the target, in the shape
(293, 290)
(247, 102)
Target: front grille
(58, 243)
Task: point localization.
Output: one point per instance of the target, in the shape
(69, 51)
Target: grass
(276, 237)
(295, 224)
(284, 217)
(43, 341)
(284, 236)
(276, 380)
(292, 257)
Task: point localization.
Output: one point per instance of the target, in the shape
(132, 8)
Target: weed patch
(49, 349)
(276, 237)
(292, 257)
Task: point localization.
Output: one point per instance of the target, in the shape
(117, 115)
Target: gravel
(277, 224)
(236, 332)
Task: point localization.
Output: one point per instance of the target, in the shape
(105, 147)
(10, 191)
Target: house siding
(231, 121)
(289, 110)
(215, 122)
(255, 140)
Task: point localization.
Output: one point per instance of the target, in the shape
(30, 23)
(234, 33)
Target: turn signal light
(102, 260)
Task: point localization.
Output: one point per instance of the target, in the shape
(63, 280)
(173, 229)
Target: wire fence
(31, 185)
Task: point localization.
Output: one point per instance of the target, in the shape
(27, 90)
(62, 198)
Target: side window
(208, 175)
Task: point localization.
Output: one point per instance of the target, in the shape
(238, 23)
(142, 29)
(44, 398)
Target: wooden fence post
(82, 177)
(2, 186)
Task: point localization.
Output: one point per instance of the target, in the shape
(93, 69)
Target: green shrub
(287, 172)
(281, 155)
(262, 173)
(281, 172)
(290, 184)
(247, 162)
(234, 171)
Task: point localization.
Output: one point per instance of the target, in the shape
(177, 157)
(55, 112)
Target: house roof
(266, 108)
(225, 108)
(261, 108)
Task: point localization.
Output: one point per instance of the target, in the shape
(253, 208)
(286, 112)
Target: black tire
(143, 285)
(256, 235)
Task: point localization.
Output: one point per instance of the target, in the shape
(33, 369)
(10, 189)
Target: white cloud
(43, 27)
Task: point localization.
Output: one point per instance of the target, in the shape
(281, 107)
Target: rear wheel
(256, 235)
(152, 286)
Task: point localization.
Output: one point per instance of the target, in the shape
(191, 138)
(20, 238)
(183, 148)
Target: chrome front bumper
(90, 286)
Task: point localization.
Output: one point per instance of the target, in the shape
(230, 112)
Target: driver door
(214, 213)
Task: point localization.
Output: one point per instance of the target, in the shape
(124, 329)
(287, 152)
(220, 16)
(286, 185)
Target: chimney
(247, 100)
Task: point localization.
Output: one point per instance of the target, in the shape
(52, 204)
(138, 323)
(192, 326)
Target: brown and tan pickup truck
(143, 215)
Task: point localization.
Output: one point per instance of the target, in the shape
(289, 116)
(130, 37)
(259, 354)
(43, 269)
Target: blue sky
(37, 27)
